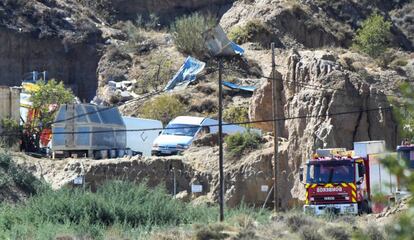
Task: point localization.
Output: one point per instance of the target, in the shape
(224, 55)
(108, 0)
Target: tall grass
(115, 208)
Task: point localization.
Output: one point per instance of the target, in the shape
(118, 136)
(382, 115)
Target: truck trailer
(344, 182)
(87, 130)
(141, 134)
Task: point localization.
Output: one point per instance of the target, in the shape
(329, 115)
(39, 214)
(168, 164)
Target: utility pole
(220, 140)
(275, 134)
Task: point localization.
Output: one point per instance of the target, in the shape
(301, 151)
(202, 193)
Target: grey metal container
(86, 127)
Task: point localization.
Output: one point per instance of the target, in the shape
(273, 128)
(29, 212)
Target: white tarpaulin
(219, 45)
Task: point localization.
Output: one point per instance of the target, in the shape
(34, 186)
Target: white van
(181, 132)
(141, 141)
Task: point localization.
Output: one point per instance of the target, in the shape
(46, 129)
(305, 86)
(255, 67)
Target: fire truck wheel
(363, 207)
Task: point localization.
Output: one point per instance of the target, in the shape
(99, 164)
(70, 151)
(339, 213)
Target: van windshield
(181, 130)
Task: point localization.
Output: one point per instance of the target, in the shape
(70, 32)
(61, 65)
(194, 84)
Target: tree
(46, 99)
(372, 38)
(404, 109)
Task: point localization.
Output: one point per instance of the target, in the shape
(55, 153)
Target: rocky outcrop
(286, 20)
(41, 37)
(324, 106)
(314, 24)
(244, 177)
(75, 66)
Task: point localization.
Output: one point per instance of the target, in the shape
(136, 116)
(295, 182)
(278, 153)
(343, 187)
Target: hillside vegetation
(332, 57)
(118, 209)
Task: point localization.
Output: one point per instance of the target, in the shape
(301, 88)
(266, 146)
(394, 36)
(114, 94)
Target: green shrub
(248, 32)
(5, 161)
(187, 32)
(236, 114)
(399, 62)
(19, 176)
(211, 231)
(135, 37)
(239, 143)
(370, 232)
(372, 37)
(164, 108)
(337, 233)
(4, 180)
(310, 233)
(11, 130)
(296, 221)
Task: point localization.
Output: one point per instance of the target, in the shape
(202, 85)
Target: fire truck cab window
(408, 156)
(361, 170)
(331, 172)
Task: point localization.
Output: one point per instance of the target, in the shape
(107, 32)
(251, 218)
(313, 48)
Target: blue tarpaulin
(237, 49)
(186, 74)
(235, 86)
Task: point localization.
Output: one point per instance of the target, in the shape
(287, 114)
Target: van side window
(205, 129)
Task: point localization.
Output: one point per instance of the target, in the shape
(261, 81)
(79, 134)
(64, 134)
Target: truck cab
(406, 152)
(333, 184)
(350, 182)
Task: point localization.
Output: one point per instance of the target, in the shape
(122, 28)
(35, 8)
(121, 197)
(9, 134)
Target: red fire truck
(343, 182)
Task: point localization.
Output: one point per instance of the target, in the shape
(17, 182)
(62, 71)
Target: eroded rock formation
(325, 106)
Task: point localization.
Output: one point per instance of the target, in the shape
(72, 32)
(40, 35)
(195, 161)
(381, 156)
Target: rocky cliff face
(36, 36)
(313, 24)
(324, 106)
(290, 23)
(74, 65)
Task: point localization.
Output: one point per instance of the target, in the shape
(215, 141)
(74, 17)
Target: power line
(162, 91)
(321, 88)
(205, 74)
(105, 108)
(227, 124)
(129, 102)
